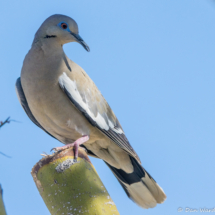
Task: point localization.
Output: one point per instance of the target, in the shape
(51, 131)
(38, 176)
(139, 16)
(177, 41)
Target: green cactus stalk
(72, 188)
(2, 207)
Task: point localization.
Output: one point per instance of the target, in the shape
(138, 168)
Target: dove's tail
(139, 185)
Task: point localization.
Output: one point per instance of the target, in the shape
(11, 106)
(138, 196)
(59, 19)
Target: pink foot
(75, 145)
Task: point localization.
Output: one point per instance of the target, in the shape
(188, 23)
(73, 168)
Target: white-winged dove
(60, 98)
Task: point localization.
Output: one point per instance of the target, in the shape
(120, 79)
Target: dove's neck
(43, 61)
(50, 46)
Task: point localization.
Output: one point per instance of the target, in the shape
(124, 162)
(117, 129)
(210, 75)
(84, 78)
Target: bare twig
(6, 121)
(5, 155)
(1, 125)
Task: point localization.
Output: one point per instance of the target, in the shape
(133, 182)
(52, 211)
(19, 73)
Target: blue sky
(154, 63)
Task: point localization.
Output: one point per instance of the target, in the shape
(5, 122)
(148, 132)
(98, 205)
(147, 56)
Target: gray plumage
(60, 98)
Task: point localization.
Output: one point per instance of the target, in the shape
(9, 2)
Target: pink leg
(75, 145)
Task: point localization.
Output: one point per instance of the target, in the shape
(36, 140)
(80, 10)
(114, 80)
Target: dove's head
(60, 28)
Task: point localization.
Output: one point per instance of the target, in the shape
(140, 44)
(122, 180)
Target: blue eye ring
(63, 25)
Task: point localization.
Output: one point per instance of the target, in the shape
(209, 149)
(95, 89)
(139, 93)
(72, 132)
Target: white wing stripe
(71, 87)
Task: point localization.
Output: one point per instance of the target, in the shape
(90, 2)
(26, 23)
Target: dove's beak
(81, 41)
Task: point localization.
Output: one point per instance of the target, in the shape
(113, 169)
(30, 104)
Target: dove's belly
(67, 124)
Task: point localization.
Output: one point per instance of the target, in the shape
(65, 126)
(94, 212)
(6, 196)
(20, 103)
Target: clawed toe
(57, 149)
(53, 149)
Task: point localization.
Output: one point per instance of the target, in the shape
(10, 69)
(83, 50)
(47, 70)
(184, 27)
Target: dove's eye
(64, 25)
